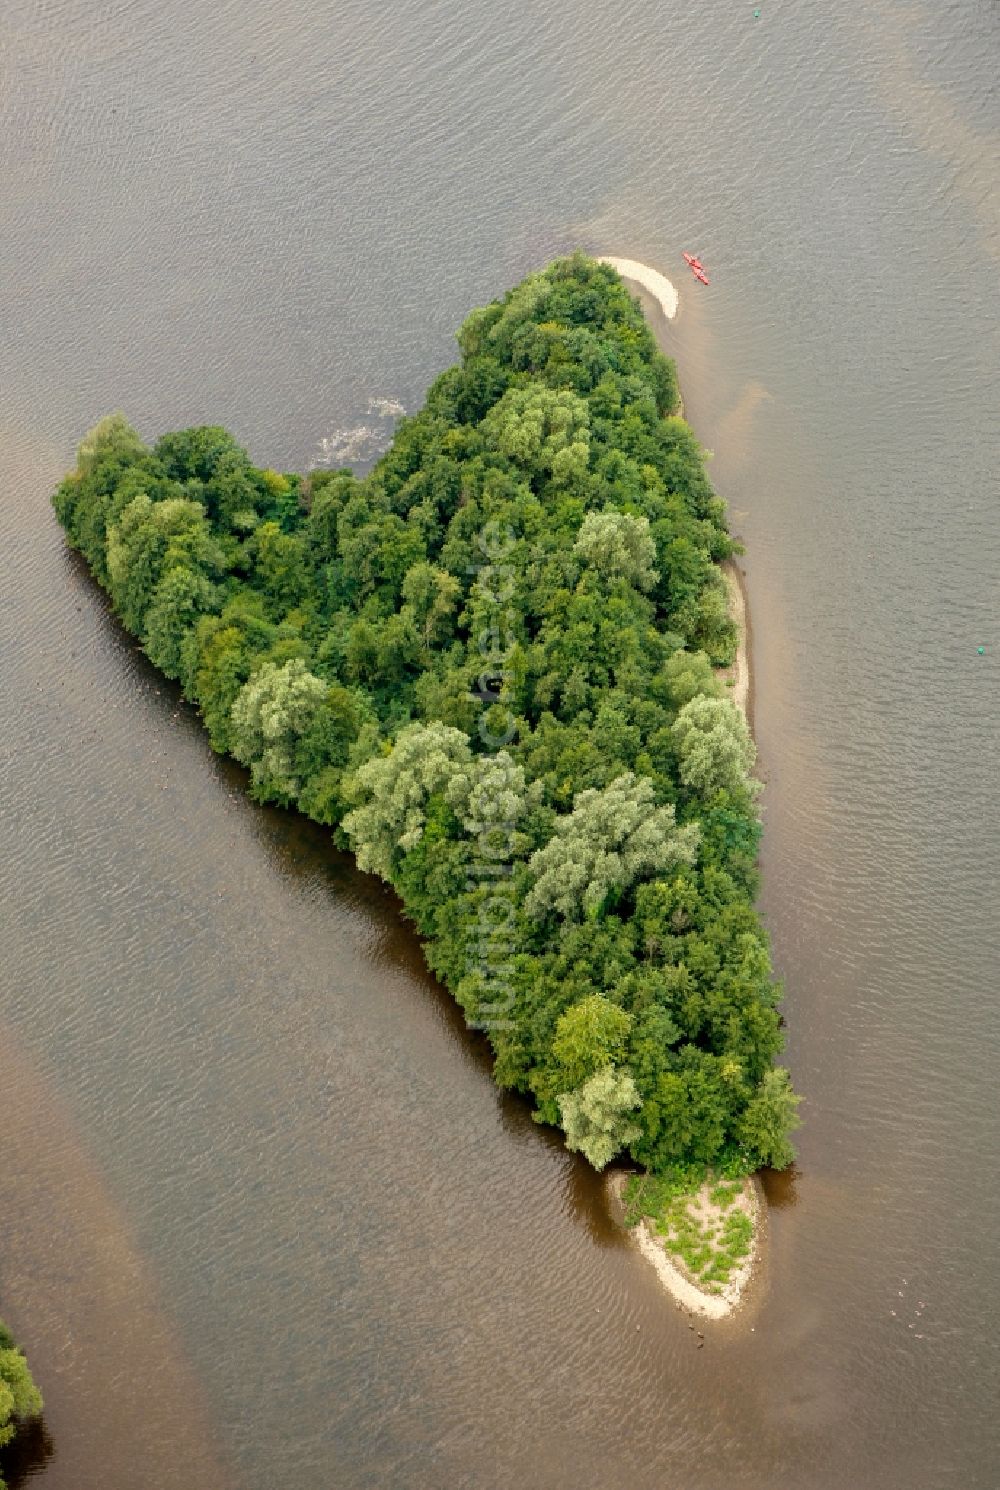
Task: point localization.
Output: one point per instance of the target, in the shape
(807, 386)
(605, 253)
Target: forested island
(490, 665)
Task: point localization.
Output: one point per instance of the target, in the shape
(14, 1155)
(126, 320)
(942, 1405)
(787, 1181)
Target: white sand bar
(651, 279)
(740, 670)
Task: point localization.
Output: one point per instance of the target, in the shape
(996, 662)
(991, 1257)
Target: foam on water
(363, 443)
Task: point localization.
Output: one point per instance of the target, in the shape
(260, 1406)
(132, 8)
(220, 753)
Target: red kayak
(696, 266)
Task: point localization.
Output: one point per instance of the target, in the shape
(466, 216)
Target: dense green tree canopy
(611, 839)
(488, 664)
(619, 546)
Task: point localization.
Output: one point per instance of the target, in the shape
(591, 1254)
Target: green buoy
(980, 650)
(756, 15)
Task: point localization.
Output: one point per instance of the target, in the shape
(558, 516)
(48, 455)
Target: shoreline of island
(740, 672)
(192, 627)
(672, 1275)
(674, 1278)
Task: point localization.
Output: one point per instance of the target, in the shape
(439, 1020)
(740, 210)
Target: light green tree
(610, 840)
(148, 539)
(589, 1035)
(432, 596)
(112, 435)
(714, 745)
(181, 596)
(686, 674)
(490, 792)
(542, 429)
(620, 546)
(273, 711)
(714, 627)
(595, 1118)
(769, 1117)
(392, 792)
(20, 1399)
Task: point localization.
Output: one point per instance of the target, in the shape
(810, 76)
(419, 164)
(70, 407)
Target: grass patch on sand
(701, 1218)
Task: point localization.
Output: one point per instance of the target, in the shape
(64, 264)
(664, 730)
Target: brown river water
(264, 1218)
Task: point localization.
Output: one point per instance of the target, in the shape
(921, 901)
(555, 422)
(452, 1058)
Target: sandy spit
(712, 1305)
(740, 670)
(651, 279)
(673, 1276)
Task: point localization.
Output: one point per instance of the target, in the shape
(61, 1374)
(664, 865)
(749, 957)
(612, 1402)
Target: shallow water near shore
(362, 1265)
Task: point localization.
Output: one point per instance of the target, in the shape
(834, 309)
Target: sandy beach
(652, 280)
(671, 1273)
(741, 692)
(674, 1276)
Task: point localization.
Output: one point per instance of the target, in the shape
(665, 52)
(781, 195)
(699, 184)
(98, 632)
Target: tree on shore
(714, 745)
(597, 1118)
(20, 1399)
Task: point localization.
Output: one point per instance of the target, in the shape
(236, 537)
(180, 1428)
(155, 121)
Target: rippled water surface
(264, 1218)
